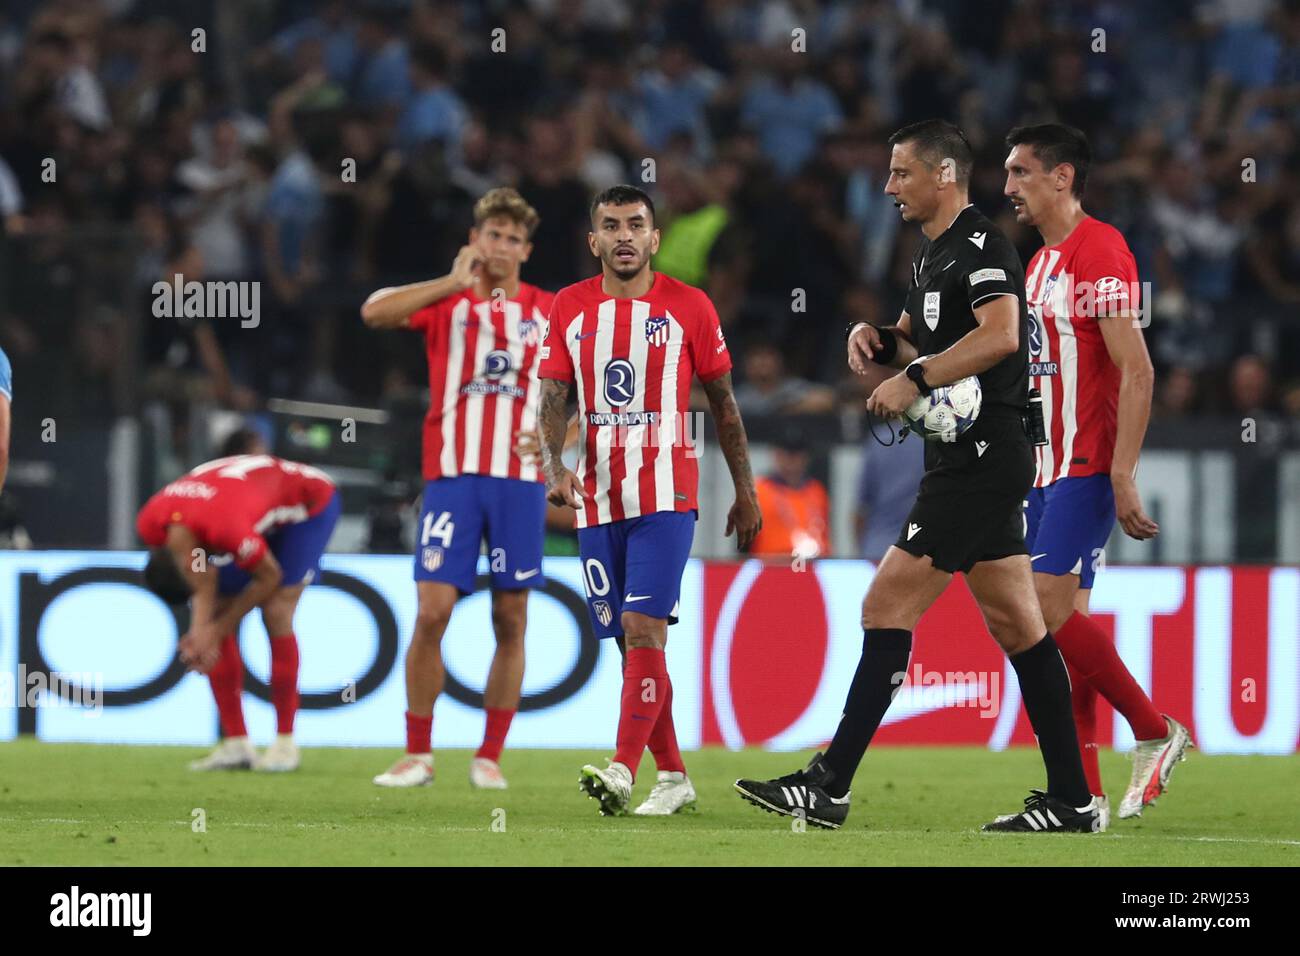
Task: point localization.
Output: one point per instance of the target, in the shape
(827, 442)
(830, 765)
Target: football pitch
(63, 804)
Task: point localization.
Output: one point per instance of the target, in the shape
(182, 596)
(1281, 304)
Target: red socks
(419, 733)
(284, 681)
(663, 739)
(494, 733)
(227, 681)
(645, 689)
(1092, 654)
(1084, 698)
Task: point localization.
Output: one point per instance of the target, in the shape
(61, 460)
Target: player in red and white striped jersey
(1088, 359)
(632, 339)
(258, 525)
(484, 330)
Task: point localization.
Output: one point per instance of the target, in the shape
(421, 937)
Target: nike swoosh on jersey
(637, 597)
(525, 575)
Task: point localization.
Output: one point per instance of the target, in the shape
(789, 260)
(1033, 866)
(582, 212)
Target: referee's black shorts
(970, 507)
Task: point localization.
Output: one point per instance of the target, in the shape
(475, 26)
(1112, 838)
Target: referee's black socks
(1045, 688)
(880, 674)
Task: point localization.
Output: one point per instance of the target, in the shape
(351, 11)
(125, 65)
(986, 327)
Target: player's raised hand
(565, 489)
(469, 261)
(745, 519)
(1128, 509)
(863, 344)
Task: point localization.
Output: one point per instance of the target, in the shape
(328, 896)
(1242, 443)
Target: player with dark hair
(483, 329)
(632, 339)
(243, 441)
(965, 315)
(1090, 362)
(232, 535)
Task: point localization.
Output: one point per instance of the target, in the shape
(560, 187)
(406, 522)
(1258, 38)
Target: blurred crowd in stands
(228, 151)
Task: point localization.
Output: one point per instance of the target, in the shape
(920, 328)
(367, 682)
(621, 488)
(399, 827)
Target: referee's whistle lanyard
(894, 437)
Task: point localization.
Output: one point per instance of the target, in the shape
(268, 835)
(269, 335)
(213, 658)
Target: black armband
(888, 342)
(888, 346)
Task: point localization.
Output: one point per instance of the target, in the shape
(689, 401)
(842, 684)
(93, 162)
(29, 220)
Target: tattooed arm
(563, 487)
(744, 516)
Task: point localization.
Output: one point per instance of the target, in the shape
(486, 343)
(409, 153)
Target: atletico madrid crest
(656, 330)
(604, 613)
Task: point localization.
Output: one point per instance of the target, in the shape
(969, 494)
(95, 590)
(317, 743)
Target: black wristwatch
(916, 372)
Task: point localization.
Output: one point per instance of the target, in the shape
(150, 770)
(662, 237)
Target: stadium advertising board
(763, 655)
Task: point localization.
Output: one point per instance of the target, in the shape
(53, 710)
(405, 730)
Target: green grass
(76, 805)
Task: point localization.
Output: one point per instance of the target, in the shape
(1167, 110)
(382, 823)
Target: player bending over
(483, 331)
(235, 534)
(966, 311)
(632, 339)
(1088, 359)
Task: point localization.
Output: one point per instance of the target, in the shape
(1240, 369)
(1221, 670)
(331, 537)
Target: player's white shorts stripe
(671, 421)
(604, 352)
(634, 436)
(448, 463)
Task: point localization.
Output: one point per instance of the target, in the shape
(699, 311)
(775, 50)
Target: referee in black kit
(966, 313)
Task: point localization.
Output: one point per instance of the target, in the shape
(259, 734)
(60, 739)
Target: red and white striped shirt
(634, 360)
(482, 382)
(1071, 288)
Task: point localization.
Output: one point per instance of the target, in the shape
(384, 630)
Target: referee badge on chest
(931, 311)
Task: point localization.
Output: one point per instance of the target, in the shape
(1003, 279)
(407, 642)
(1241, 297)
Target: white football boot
(413, 770)
(611, 786)
(233, 753)
(280, 757)
(673, 793)
(486, 774)
(1153, 765)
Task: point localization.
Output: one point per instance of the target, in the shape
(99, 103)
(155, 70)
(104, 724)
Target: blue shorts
(1067, 525)
(459, 511)
(297, 548)
(635, 565)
